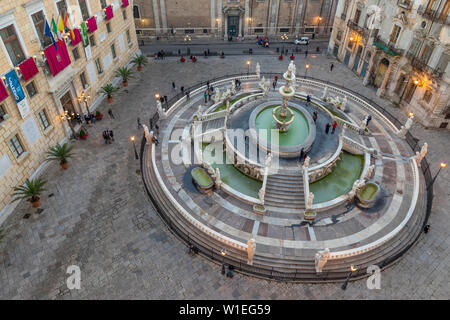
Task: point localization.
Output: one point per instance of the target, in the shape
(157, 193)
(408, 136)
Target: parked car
(302, 40)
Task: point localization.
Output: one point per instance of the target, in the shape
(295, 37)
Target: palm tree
(60, 153)
(109, 89)
(31, 190)
(140, 61)
(125, 73)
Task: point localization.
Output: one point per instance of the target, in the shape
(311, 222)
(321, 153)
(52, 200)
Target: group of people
(208, 92)
(108, 136)
(160, 55)
(237, 84)
(262, 41)
(333, 127)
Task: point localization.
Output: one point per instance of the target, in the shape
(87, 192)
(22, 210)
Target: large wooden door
(381, 71)
(233, 25)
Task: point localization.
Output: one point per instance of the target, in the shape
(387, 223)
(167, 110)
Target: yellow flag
(60, 25)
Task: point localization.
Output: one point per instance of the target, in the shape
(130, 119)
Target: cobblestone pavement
(97, 216)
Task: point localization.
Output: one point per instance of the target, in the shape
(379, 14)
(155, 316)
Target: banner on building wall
(84, 36)
(14, 84)
(88, 52)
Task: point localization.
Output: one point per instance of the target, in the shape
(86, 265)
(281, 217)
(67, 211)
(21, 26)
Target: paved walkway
(99, 218)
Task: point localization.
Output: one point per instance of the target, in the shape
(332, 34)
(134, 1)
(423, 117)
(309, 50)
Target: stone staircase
(212, 124)
(285, 190)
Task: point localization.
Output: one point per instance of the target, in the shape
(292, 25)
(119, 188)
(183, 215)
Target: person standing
(139, 123)
(274, 84)
(209, 94)
(173, 86)
(308, 99)
(111, 115)
(165, 99)
(105, 136)
(334, 126)
(205, 95)
(331, 67)
(111, 136)
(187, 95)
(92, 118)
(315, 116)
(306, 53)
(368, 120)
(182, 89)
(327, 128)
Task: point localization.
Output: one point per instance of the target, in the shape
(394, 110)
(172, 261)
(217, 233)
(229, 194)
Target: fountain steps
(212, 124)
(285, 190)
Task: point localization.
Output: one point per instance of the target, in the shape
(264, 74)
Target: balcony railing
(407, 4)
(433, 15)
(421, 65)
(364, 32)
(389, 48)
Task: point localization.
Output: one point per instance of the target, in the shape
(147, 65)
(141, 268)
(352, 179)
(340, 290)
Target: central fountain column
(283, 116)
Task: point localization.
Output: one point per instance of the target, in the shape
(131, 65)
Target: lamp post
(319, 19)
(306, 70)
(352, 270)
(248, 67)
(284, 37)
(134, 145)
(223, 253)
(442, 165)
(187, 40)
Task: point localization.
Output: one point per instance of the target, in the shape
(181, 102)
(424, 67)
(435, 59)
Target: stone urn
(368, 195)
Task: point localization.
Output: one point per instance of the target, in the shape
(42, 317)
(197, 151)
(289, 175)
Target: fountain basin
(368, 195)
(202, 180)
(300, 135)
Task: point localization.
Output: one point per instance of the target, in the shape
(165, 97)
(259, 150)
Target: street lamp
(442, 165)
(352, 270)
(248, 67)
(306, 70)
(223, 253)
(187, 39)
(134, 144)
(284, 37)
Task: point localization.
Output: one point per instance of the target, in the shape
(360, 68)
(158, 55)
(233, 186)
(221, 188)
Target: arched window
(136, 13)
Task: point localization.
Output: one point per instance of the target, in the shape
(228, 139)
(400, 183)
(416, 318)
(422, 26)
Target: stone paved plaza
(97, 215)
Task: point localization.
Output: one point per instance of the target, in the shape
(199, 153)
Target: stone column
(213, 15)
(220, 17)
(369, 68)
(156, 16)
(240, 25)
(247, 15)
(273, 16)
(162, 3)
(299, 23)
(381, 90)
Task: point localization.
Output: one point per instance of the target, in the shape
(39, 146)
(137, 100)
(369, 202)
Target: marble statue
(343, 104)
(262, 83)
(409, 123)
(310, 200)
(261, 194)
(325, 93)
(292, 68)
(266, 88)
(369, 171)
(268, 160)
(321, 259)
(148, 137)
(217, 95)
(233, 87)
(307, 161)
(419, 156)
(161, 112)
(258, 70)
(199, 112)
(364, 123)
(251, 248)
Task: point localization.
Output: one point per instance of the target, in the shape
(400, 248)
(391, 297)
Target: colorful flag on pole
(48, 33)
(68, 25)
(54, 27)
(61, 25)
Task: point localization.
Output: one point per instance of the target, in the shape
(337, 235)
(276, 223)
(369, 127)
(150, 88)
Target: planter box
(84, 137)
(368, 195)
(309, 215)
(202, 180)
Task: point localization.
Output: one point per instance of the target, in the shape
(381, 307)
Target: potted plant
(280, 57)
(60, 153)
(194, 59)
(125, 73)
(83, 134)
(31, 190)
(109, 89)
(292, 57)
(140, 61)
(98, 115)
(182, 59)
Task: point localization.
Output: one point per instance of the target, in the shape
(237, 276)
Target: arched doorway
(381, 71)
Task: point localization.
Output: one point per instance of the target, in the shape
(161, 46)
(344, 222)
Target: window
(427, 96)
(430, 5)
(124, 14)
(413, 47)
(103, 4)
(84, 83)
(62, 8)
(259, 30)
(395, 33)
(108, 27)
(99, 66)
(309, 30)
(43, 119)
(16, 146)
(39, 24)
(445, 11)
(113, 51)
(31, 89)
(426, 53)
(284, 29)
(92, 40)
(84, 9)
(128, 37)
(12, 44)
(357, 16)
(76, 54)
(136, 13)
(339, 35)
(189, 31)
(2, 114)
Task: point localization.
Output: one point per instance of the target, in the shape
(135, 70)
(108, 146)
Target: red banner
(3, 92)
(28, 69)
(109, 13)
(92, 24)
(59, 59)
(77, 38)
(125, 3)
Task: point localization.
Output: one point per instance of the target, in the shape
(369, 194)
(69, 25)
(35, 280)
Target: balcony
(421, 65)
(433, 15)
(389, 48)
(363, 32)
(406, 4)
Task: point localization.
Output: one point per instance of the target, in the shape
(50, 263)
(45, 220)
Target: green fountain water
(297, 133)
(368, 192)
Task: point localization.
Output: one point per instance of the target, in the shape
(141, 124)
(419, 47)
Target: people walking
(111, 135)
(331, 67)
(139, 123)
(205, 95)
(92, 118)
(187, 95)
(334, 126)
(327, 128)
(308, 99)
(106, 136)
(274, 84)
(315, 116)
(111, 115)
(87, 118)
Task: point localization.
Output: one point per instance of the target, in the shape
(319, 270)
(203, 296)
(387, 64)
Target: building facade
(243, 18)
(402, 48)
(45, 84)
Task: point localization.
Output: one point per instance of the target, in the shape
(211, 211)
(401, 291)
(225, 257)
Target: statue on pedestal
(251, 248)
(306, 163)
(161, 112)
(233, 87)
(325, 93)
(258, 70)
(310, 200)
(419, 156)
(369, 172)
(217, 180)
(268, 160)
(261, 194)
(321, 259)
